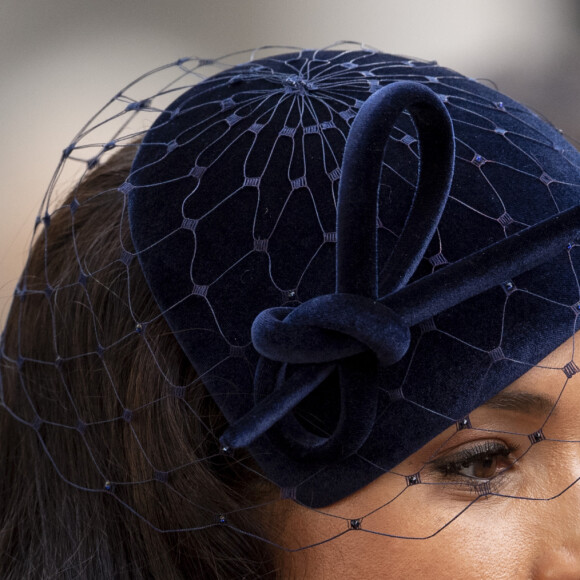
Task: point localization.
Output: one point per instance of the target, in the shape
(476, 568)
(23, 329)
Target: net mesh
(88, 359)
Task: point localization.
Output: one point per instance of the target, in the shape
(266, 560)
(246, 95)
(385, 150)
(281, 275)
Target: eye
(483, 467)
(482, 461)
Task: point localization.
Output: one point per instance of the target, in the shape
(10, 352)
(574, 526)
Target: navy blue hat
(354, 250)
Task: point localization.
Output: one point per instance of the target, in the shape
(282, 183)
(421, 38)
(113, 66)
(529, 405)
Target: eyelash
(450, 467)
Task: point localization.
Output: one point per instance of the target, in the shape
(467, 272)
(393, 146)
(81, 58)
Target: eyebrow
(522, 402)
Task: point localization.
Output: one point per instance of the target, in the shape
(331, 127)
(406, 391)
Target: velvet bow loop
(350, 331)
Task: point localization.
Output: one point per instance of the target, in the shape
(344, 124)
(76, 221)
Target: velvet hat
(354, 250)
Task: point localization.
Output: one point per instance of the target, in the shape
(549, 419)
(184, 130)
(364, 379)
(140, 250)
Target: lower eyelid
(471, 487)
(484, 487)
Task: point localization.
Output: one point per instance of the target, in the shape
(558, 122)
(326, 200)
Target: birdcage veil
(353, 250)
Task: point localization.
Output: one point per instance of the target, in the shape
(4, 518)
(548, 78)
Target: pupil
(487, 465)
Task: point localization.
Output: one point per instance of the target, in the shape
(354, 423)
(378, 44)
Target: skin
(465, 475)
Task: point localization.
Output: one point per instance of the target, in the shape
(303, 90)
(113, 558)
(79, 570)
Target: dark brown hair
(76, 357)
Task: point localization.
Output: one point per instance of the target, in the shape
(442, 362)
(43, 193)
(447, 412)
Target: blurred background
(60, 60)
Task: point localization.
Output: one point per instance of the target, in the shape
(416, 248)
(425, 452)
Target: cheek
(485, 542)
(494, 538)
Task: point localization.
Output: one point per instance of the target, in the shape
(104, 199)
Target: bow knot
(330, 328)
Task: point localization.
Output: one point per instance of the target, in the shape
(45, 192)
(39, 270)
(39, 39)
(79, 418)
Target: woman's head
(224, 292)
